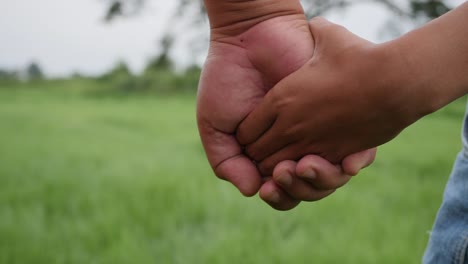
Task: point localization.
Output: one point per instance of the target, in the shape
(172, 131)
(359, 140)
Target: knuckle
(241, 135)
(253, 153)
(287, 166)
(266, 167)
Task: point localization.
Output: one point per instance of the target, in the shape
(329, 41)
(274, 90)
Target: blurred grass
(125, 180)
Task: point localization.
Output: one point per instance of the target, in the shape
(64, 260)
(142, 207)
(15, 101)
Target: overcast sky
(67, 36)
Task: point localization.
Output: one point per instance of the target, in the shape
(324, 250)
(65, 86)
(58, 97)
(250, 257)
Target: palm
(238, 72)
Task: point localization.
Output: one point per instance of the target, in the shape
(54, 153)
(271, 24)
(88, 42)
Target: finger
(268, 144)
(292, 151)
(242, 173)
(257, 122)
(273, 195)
(284, 175)
(321, 173)
(353, 163)
(227, 161)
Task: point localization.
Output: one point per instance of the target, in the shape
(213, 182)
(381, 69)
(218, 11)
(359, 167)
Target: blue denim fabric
(449, 238)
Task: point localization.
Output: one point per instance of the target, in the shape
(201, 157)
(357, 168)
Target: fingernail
(275, 197)
(285, 180)
(309, 174)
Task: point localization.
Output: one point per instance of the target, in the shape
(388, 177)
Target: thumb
(328, 35)
(318, 23)
(319, 27)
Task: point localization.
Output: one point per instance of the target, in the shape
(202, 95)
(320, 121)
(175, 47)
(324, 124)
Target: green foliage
(158, 78)
(34, 72)
(117, 8)
(192, 14)
(125, 180)
(117, 78)
(418, 8)
(430, 8)
(120, 71)
(162, 82)
(163, 61)
(7, 77)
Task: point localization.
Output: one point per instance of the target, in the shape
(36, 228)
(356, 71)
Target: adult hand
(239, 71)
(244, 62)
(340, 102)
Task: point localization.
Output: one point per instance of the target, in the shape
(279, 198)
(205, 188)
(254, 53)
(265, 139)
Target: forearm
(436, 58)
(231, 17)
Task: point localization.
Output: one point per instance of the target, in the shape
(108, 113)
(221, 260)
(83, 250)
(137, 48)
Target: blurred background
(100, 160)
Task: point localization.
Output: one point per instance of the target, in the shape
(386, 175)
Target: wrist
(402, 86)
(230, 18)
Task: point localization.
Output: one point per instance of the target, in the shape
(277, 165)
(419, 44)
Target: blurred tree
(412, 8)
(121, 68)
(161, 62)
(34, 72)
(431, 9)
(8, 75)
(409, 9)
(119, 71)
(119, 78)
(192, 13)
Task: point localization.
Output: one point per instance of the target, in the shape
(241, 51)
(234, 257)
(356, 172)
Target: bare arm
(436, 56)
(354, 95)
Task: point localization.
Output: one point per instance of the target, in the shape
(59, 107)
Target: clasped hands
(273, 107)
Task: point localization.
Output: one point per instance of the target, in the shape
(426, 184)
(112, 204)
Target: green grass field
(125, 180)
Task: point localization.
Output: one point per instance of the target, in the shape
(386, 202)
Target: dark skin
(335, 105)
(251, 50)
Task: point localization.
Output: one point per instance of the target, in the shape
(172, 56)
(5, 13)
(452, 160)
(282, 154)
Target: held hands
(239, 71)
(343, 100)
(311, 179)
